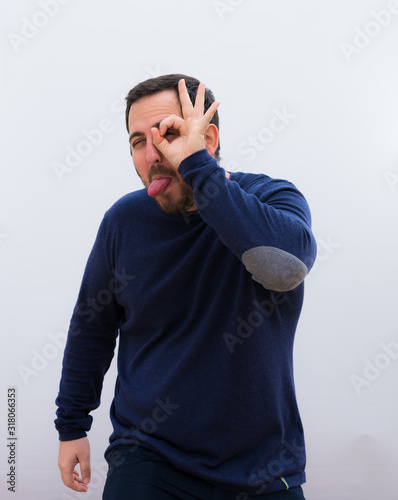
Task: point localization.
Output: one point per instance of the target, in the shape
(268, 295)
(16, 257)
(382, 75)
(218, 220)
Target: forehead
(148, 111)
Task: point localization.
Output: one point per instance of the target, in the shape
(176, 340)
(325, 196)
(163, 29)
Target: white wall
(339, 147)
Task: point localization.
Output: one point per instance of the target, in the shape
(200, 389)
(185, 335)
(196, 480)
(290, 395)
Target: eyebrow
(135, 134)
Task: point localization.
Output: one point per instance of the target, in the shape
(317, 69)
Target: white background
(340, 148)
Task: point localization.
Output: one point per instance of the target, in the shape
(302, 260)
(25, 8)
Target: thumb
(85, 469)
(159, 141)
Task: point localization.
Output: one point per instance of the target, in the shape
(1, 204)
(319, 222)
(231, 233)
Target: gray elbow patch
(275, 269)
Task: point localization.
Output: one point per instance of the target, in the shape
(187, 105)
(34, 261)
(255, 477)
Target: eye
(171, 134)
(135, 144)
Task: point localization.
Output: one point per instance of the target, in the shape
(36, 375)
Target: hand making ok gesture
(191, 129)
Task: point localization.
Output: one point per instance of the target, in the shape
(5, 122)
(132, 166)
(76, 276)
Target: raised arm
(265, 222)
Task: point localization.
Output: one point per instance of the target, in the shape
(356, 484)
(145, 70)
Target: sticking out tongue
(158, 186)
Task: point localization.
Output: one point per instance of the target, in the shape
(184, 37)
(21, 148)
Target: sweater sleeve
(267, 225)
(91, 341)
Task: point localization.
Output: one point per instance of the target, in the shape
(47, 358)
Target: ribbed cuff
(197, 167)
(70, 436)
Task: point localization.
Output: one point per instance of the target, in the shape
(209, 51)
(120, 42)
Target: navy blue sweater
(206, 305)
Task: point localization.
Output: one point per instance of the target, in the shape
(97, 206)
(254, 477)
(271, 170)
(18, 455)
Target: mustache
(161, 170)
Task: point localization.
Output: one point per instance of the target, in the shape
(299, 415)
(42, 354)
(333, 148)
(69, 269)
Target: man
(203, 281)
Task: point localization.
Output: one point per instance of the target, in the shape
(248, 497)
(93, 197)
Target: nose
(153, 155)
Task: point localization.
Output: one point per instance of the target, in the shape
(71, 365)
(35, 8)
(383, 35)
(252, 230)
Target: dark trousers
(140, 474)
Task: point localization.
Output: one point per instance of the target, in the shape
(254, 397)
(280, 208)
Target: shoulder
(128, 205)
(261, 184)
(128, 211)
(278, 193)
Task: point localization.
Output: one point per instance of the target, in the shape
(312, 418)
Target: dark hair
(170, 82)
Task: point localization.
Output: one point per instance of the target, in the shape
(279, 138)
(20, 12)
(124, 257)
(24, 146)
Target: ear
(211, 139)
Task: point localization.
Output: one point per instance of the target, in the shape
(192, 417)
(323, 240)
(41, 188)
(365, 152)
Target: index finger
(73, 480)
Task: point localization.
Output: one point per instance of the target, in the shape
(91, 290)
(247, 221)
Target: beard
(170, 204)
(183, 203)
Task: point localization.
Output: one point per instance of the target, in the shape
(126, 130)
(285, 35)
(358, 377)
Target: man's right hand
(72, 453)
